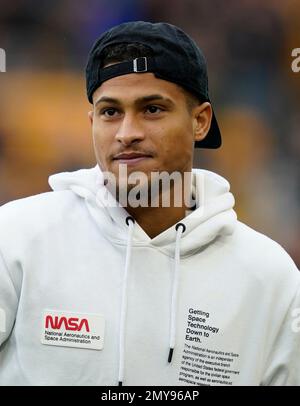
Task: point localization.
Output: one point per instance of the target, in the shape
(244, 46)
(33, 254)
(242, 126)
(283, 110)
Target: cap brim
(213, 139)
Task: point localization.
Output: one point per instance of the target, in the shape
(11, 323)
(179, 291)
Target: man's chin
(130, 194)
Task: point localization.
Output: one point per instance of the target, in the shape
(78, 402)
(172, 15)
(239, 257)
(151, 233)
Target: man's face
(146, 118)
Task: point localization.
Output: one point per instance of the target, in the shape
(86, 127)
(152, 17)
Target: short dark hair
(123, 52)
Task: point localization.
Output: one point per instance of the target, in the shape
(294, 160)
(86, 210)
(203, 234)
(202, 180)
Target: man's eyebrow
(138, 101)
(106, 99)
(153, 97)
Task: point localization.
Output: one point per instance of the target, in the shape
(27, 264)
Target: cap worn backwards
(176, 58)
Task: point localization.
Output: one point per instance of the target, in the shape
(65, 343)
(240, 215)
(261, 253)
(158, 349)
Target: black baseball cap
(176, 58)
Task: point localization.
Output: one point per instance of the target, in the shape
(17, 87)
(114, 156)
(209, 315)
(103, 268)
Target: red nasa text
(71, 323)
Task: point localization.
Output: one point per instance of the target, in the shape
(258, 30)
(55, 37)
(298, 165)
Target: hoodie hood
(213, 216)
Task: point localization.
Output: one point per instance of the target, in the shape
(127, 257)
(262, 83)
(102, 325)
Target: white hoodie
(87, 298)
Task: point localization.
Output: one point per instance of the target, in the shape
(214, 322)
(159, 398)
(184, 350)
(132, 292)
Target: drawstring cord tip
(170, 355)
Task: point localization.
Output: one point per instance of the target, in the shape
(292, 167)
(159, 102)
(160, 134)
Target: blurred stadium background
(43, 116)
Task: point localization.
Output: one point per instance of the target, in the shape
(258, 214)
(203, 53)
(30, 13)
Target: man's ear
(202, 116)
(91, 116)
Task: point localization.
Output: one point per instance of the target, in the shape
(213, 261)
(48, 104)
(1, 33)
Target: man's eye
(154, 109)
(108, 112)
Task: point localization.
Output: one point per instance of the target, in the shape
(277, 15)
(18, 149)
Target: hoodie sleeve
(8, 301)
(283, 367)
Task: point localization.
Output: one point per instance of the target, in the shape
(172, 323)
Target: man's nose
(130, 130)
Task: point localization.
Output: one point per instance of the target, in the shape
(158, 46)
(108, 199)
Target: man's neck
(164, 207)
(155, 220)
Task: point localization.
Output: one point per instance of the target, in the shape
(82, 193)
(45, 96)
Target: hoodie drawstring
(130, 222)
(180, 229)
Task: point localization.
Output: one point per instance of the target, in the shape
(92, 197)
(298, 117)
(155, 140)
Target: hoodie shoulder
(36, 211)
(260, 254)
(36, 202)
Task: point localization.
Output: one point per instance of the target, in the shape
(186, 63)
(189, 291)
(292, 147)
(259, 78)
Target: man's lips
(131, 158)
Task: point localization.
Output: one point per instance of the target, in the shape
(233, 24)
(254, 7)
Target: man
(108, 280)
